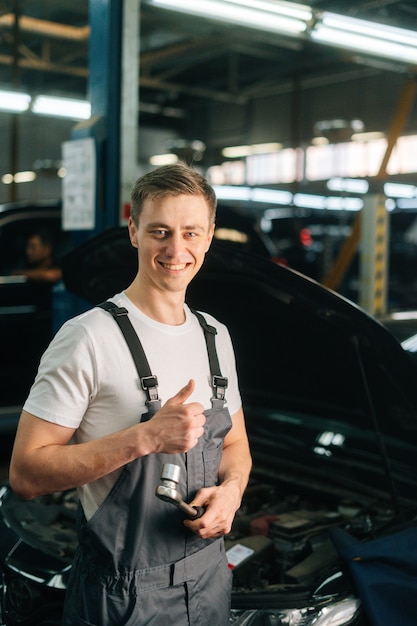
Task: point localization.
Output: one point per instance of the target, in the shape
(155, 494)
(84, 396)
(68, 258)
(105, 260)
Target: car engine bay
(280, 543)
(287, 536)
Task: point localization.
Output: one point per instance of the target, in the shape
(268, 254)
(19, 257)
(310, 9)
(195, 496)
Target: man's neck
(166, 308)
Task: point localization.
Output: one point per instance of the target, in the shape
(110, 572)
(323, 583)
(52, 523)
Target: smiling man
(139, 560)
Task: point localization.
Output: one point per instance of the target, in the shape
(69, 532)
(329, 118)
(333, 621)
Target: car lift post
(113, 87)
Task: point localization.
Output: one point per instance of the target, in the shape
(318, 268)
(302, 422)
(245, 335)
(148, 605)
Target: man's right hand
(177, 426)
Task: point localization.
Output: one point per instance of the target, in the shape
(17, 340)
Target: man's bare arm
(43, 461)
(46, 275)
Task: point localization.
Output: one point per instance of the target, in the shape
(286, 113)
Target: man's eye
(160, 232)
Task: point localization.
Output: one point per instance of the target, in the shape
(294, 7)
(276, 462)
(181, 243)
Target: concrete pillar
(129, 111)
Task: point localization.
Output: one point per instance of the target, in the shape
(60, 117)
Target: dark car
(331, 408)
(26, 323)
(311, 242)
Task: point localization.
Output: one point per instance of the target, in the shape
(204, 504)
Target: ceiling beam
(43, 65)
(46, 28)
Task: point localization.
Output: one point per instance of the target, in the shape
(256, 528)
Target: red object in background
(305, 237)
(125, 211)
(280, 260)
(260, 525)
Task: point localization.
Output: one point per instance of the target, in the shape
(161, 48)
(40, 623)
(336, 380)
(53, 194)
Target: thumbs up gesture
(178, 425)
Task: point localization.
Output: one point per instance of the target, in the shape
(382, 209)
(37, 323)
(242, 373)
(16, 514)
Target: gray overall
(137, 564)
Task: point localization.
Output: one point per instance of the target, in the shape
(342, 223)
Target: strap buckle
(150, 385)
(120, 310)
(219, 384)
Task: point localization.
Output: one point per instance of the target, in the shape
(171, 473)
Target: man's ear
(133, 233)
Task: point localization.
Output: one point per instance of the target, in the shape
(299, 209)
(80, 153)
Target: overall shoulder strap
(218, 382)
(148, 381)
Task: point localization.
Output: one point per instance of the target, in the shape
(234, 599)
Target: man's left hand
(221, 504)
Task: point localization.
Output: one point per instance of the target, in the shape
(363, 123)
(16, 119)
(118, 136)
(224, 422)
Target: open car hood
(325, 387)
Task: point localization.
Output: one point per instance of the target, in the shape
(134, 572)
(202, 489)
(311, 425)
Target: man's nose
(175, 245)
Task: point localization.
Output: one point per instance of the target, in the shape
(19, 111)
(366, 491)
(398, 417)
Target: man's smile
(172, 266)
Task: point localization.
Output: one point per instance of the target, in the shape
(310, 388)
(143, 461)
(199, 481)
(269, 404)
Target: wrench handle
(193, 512)
(200, 510)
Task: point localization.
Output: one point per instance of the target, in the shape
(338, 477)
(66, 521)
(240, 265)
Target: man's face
(172, 237)
(36, 251)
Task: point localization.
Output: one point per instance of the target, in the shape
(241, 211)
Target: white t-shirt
(87, 379)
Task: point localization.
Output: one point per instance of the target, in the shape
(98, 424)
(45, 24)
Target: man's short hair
(171, 180)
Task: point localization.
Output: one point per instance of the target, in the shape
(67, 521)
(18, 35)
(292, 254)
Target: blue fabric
(384, 571)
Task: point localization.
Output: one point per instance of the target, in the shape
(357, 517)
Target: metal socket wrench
(167, 491)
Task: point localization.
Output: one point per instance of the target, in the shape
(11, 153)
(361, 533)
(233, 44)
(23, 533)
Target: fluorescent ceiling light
(295, 19)
(19, 177)
(344, 204)
(404, 315)
(282, 17)
(368, 136)
(276, 196)
(14, 101)
(56, 107)
(407, 203)
(319, 141)
(276, 214)
(400, 190)
(289, 9)
(231, 192)
(62, 107)
(236, 152)
(271, 196)
(310, 201)
(336, 124)
(369, 29)
(364, 36)
(349, 185)
(253, 194)
(163, 159)
(24, 177)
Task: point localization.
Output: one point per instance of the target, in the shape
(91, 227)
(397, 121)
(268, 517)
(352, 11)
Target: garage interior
(165, 81)
(174, 82)
(196, 86)
(203, 84)
(249, 104)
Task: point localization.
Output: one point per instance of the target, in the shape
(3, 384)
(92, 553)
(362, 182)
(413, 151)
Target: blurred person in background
(41, 266)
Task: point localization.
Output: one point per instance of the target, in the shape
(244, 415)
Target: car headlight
(340, 613)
